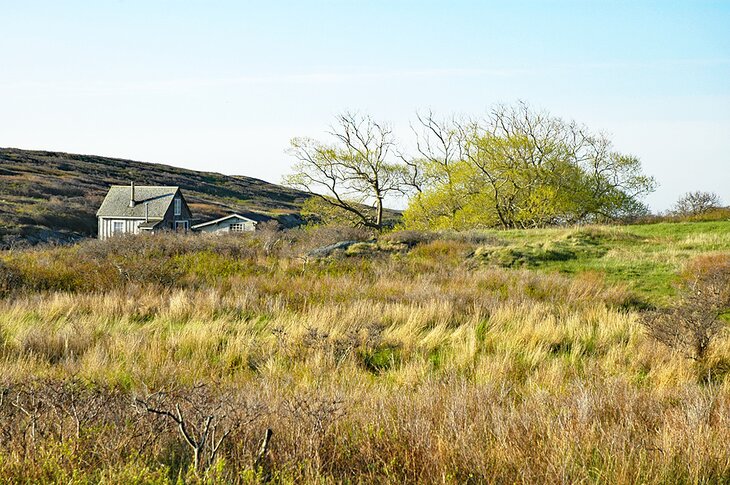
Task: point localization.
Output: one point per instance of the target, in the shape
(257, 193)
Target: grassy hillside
(54, 196)
(643, 258)
(484, 357)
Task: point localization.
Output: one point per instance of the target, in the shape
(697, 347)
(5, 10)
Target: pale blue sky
(223, 86)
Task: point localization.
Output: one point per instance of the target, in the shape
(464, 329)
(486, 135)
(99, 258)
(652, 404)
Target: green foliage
(520, 169)
(381, 359)
(455, 201)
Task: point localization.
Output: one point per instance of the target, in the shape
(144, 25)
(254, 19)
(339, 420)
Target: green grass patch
(644, 258)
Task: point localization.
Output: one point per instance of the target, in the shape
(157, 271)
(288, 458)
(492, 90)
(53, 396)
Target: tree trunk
(379, 215)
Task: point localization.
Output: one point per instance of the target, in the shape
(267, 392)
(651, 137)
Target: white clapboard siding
(106, 226)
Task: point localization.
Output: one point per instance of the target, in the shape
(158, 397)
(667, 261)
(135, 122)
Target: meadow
(479, 357)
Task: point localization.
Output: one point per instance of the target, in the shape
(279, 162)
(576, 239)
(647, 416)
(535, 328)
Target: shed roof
(157, 199)
(216, 221)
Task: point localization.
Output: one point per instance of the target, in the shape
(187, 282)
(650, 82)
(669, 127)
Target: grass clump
(581, 244)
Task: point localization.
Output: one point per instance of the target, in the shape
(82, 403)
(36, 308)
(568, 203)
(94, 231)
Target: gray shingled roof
(116, 203)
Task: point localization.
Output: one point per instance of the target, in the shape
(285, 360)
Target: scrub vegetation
(516, 167)
(521, 356)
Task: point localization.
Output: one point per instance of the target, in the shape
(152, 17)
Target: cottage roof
(149, 225)
(156, 198)
(231, 216)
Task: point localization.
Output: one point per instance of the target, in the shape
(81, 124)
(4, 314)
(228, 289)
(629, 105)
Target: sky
(224, 85)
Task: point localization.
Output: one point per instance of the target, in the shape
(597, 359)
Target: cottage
(134, 209)
(231, 223)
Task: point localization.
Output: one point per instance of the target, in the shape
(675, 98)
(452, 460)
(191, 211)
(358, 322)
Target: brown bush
(692, 324)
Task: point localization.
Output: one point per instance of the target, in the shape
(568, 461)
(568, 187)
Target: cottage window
(178, 207)
(238, 227)
(118, 227)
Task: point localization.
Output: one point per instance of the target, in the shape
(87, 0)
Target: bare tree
(696, 203)
(439, 143)
(355, 173)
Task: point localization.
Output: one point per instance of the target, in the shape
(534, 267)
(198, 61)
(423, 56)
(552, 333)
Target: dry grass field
(513, 357)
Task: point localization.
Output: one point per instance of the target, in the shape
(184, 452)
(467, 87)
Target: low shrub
(585, 243)
(362, 249)
(406, 239)
(440, 253)
(530, 255)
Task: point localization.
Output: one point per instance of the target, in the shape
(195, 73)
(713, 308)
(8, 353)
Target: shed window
(178, 207)
(118, 227)
(238, 227)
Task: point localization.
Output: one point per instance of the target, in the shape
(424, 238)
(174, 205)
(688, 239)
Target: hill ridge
(49, 196)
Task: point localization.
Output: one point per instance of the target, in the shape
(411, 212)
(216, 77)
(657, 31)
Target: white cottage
(133, 209)
(230, 223)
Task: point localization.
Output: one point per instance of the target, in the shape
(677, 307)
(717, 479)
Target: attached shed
(230, 223)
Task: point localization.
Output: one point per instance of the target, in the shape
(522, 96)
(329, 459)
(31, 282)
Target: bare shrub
(270, 236)
(41, 409)
(691, 325)
(314, 413)
(204, 417)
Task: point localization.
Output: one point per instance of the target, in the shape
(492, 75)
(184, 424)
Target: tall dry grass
(412, 367)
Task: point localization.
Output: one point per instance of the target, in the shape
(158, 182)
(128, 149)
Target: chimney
(147, 212)
(131, 196)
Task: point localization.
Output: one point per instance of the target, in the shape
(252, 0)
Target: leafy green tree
(525, 169)
(455, 202)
